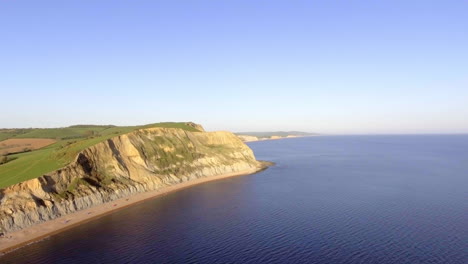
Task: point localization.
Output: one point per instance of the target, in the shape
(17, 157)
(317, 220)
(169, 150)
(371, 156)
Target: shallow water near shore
(328, 199)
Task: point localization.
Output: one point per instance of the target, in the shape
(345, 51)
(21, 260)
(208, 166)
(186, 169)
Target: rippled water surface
(337, 199)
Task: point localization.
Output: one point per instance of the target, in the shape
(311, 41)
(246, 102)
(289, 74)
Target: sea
(327, 199)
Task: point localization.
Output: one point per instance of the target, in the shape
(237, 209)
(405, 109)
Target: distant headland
(257, 136)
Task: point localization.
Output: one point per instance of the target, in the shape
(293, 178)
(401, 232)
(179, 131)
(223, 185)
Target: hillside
(143, 160)
(29, 162)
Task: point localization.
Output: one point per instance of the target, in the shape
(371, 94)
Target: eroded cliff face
(144, 160)
(247, 138)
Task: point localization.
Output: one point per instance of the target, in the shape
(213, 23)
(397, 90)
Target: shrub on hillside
(26, 149)
(3, 159)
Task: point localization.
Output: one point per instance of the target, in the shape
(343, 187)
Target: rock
(247, 138)
(143, 160)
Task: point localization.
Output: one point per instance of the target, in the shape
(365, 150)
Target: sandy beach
(28, 235)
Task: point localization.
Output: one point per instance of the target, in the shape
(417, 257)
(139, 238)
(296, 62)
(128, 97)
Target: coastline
(278, 138)
(43, 230)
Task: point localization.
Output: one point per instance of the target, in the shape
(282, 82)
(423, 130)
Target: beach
(40, 231)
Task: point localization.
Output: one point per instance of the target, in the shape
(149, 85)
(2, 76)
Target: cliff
(140, 161)
(246, 138)
(256, 136)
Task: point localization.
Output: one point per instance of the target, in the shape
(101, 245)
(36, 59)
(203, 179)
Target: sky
(333, 67)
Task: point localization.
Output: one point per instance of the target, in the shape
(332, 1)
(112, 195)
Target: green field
(71, 140)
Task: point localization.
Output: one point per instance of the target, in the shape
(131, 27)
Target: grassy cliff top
(70, 141)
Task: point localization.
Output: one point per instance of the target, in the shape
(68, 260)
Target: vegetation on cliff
(18, 167)
(106, 168)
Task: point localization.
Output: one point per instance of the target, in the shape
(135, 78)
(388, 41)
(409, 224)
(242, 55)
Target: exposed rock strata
(144, 160)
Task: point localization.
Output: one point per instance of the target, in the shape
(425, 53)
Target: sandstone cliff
(144, 160)
(246, 138)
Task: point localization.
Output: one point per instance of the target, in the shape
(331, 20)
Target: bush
(26, 149)
(3, 159)
(89, 133)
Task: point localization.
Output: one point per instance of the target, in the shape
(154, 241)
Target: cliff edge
(140, 161)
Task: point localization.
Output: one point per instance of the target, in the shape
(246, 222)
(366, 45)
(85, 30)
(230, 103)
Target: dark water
(350, 199)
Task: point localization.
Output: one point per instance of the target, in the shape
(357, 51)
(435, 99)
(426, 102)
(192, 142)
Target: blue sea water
(328, 199)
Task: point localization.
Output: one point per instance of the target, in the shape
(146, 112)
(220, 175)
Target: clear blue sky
(321, 66)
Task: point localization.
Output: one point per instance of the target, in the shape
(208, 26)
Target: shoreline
(267, 139)
(43, 230)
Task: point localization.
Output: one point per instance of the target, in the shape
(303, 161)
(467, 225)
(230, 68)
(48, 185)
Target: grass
(54, 133)
(72, 140)
(4, 136)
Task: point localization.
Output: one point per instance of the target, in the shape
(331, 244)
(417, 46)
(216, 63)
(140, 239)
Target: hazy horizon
(392, 67)
(257, 131)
